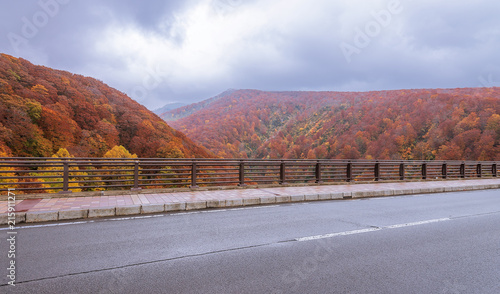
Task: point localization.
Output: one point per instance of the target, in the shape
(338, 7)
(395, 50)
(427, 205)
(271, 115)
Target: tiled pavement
(51, 209)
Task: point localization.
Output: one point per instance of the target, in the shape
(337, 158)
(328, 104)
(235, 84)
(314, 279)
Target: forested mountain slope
(43, 110)
(404, 124)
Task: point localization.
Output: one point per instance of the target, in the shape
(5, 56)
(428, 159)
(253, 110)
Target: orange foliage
(414, 124)
(43, 110)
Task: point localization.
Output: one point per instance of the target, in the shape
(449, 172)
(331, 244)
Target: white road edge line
(418, 223)
(165, 214)
(337, 234)
(317, 237)
(47, 225)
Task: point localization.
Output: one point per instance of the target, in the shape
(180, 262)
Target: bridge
(52, 189)
(249, 226)
(64, 175)
(421, 243)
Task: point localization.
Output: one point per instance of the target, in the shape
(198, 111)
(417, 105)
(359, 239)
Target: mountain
(43, 110)
(187, 110)
(402, 124)
(168, 107)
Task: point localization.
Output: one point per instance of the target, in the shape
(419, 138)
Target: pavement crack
(474, 215)
(149, 262)
(352, 223)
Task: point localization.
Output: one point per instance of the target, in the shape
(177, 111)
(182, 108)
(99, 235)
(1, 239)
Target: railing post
(462, 170)
(444, 171)
(377, 171)
(282, 173)
(65, 187)
(349, 171)
(136, 177)
(242, 174)
(494, 170)
(402, 172)
(424, 171)
(194, 171)
(318, 173)
(479, 170)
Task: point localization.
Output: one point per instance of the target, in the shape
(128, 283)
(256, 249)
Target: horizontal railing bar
(164, 184)
(165, 169)
(33, 189)
(30, 177)
(264, 177)
(216, 169)
(218, 183)
(264, 170)
(217, 175)
(30, 183)
(163, 175)
(217, 178)
(164, 180)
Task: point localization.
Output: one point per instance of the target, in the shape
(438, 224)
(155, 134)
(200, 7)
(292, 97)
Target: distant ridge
(168, 107)
(180, 112)
(461, 123)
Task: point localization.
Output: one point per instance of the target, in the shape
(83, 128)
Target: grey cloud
(430, 44)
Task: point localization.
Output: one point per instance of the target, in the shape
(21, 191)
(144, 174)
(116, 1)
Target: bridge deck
(65, 208)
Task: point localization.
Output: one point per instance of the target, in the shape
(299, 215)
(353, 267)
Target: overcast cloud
(185, 51)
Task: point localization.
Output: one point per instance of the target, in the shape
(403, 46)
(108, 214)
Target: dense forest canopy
(405, 124)
(44, 110)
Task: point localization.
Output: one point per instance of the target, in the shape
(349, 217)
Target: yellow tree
(118, 152)
(58, 171)
(6, 172)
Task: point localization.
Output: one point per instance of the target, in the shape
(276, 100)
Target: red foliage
(42, 110)
(410, 124)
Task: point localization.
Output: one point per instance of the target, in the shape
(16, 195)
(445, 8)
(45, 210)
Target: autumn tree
(55, 171)
(410, 124)
(119, 152)
(43, 110)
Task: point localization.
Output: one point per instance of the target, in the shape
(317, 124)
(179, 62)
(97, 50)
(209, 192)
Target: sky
(165, 51)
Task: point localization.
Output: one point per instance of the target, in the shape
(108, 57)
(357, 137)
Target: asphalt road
(436, 243)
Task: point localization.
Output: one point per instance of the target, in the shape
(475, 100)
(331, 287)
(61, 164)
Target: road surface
(434, 243)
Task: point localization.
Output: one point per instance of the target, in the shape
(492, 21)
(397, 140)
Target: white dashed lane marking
(371, 229)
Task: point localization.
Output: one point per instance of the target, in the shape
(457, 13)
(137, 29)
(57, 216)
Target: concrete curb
(297, 198)
(282, 199)
(47, 216)
(234, 202)
(251, 201)
(73, 214)
(41, 216)
(216, 203)
(102, 212)
(175, 206)
(152, 208)
(128, 210)
(312, 197)
(268, 200)
(196, 205)
(19, 218)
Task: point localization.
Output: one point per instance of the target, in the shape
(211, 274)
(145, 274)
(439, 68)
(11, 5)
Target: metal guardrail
(64, 175)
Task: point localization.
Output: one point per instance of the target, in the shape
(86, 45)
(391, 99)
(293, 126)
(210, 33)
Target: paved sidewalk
(53, 209)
